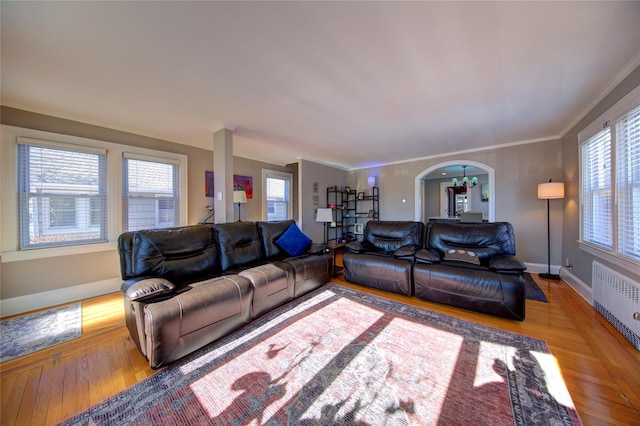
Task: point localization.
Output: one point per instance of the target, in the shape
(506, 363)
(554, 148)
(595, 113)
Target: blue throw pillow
(293, 241)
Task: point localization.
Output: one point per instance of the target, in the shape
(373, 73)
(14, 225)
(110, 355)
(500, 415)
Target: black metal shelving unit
(351, 213)
(367, 208)
(342, 202)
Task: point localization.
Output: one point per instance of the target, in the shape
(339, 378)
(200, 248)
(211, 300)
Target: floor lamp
(326, 216)
(239, 197)
(550, 191)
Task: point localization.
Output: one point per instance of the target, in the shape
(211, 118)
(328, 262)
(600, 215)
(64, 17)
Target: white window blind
(277, 195)
(62, 194)
(151, 195)
(596, 190)
(627, 135)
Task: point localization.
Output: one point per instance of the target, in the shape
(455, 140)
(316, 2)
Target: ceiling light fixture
(465, 180)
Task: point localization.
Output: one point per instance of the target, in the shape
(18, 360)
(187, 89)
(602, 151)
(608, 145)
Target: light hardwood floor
(601, 369)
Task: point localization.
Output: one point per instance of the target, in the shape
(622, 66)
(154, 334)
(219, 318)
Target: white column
(223, 175)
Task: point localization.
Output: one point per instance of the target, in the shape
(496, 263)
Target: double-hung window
(62, 192)
(610, 183)
(151, 193)
(277, 195)
(77, 195)
(628, 184)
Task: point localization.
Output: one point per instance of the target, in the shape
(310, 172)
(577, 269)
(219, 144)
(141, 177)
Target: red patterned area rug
(340, 356)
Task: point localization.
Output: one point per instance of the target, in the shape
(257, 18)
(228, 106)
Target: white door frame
(419, 186)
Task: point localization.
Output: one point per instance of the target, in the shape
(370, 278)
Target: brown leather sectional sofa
(186, 287)
(468, 265)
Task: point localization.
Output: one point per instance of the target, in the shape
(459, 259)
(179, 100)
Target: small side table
(333, 247)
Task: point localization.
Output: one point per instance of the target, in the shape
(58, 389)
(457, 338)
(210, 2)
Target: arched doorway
(420, 186)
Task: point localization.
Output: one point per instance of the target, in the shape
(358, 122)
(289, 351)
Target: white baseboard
(45, 299)
(567, 276)
(577, 284)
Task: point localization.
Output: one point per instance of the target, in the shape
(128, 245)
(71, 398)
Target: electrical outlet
(568, 264)
(636, 316)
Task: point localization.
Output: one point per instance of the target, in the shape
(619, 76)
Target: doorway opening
(432, 201)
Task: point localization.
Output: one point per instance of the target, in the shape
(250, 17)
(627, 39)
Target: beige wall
(518, 171)
(252, 209)
(581, 260)
(325, 176)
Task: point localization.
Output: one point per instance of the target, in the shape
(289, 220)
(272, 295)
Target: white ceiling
(347, 83)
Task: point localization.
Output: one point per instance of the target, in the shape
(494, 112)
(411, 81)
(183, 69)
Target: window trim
(269, 173)
(182, 175)
(9, 238)
(29, 142)
(627, 104)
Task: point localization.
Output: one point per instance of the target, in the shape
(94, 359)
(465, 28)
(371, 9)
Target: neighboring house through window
(62, 194)
(151, 194)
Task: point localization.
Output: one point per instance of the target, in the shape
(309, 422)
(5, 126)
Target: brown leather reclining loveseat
(472, 266)
(468, 265)
(186, 287)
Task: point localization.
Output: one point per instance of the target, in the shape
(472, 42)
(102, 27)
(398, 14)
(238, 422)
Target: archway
(419, 186)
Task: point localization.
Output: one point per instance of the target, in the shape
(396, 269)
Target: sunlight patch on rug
(282, 365)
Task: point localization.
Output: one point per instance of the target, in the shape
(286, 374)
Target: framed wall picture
(358, 228)
(484, 192)
(208, 183)
(243, 183)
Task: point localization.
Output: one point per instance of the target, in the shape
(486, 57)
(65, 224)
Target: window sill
(612, 258)
(44, 253)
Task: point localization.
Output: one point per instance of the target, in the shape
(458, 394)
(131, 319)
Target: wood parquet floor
(601, 369)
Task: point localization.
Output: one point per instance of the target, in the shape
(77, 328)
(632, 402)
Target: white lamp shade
(239, 197)
(324, 215)
(550, 190)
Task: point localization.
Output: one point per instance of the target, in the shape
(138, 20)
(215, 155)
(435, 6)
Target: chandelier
(465, 180)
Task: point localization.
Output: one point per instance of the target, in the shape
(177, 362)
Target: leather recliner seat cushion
(310, 272)
(477, 289)
(382, 272)
(190, 320)
(272, 286)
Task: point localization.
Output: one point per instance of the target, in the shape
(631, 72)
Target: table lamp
(239, 197)
(326, 216)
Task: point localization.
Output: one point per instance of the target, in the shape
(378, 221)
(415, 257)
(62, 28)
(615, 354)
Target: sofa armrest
(507, 263)
(406, 251)
(428, 256)
(317, 248)
(148, 288)
(354, 246)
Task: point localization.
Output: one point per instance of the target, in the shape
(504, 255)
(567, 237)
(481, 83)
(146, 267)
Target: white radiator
(617, 298)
